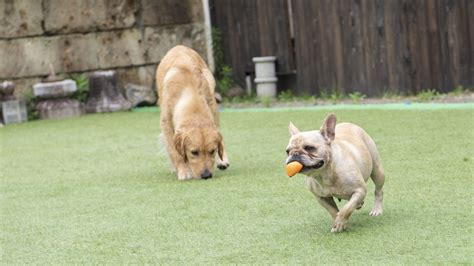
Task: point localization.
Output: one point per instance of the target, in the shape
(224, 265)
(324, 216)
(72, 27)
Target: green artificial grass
(98, 189)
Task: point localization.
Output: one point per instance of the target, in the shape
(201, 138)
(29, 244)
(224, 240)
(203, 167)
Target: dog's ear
(328, 129)
(179, 144)
(292, 129)
(220, 147)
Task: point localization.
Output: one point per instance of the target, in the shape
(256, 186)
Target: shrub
(356, 97)
(82, 82)
(427, 95)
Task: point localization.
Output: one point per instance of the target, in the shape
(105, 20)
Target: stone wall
(81, 36)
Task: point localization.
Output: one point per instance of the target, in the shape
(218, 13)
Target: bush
(30, 102)
(82, 82)
(356, 97)
(222, 72)
(427, 95)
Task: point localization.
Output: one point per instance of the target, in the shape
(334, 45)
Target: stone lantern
(11, 110)
(54, 99)
(104, 95)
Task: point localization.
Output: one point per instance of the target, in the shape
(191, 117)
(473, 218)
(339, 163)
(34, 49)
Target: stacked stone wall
(81, 36)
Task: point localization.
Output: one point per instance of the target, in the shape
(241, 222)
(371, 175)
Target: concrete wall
(81, 36)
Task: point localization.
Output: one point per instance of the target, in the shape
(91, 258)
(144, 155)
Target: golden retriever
(189, 116)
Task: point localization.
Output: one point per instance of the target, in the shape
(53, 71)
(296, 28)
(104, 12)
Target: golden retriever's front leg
(176, 159)
(340, 223)
(183, 172)
(182, 169)
(223, 163)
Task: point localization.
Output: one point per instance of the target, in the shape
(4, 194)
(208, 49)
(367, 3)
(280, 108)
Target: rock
(24, 87)
(6, 91)
(6, 94)
(88, 15)
(14, 112)
(31, 57)
(159, 40)
(121, 48)
(104, 95)
(55, 89)
(143, 75)
(165, 12)
(54, 102)
(58, 108)
(20, 18)
(140, 95)
(28, 57)
(235, 91)
(52, 77)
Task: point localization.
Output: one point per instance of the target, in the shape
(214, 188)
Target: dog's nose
(206, 174)
(295, 157)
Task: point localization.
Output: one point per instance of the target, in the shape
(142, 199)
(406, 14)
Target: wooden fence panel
(254, 28)
(371, 46)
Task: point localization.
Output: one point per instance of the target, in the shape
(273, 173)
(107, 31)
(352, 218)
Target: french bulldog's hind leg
(378, 177)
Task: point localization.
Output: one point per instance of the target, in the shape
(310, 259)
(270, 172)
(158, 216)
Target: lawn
(98, 189)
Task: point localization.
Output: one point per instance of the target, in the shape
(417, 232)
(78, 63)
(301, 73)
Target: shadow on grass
(360, 223)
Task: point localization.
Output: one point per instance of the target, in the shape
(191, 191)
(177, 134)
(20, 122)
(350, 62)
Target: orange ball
(293, 168)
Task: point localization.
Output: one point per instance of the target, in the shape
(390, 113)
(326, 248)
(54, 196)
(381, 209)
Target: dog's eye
(212, 152)
(195, 153)
(287, 152)
(309, 148)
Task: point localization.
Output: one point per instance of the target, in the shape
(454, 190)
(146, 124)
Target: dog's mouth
(309, 167)
(313, 167)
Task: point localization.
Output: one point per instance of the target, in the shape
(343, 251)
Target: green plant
(356, 96)
(427, 95)
(335, 96)
(307, 97)
(222, 72)
(30, 102)
(323, 95)
(286, 95)
(266, 101)
(217, 50)
(225, 80)
(459, 90)
(82, 82)
(387, 94)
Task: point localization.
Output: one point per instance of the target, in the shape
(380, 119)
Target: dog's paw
(376, 211)
(184, 175)
(338, 226)
(223, 165)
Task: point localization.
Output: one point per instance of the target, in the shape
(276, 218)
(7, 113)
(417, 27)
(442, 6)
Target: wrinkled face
(199, 147)
(312, 148)
(309, 148)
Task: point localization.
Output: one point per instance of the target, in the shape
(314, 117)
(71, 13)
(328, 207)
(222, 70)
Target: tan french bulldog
(337, 161)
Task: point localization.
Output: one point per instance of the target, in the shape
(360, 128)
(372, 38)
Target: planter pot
(265, 77)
